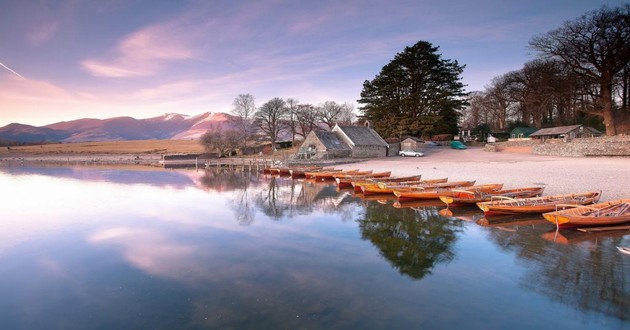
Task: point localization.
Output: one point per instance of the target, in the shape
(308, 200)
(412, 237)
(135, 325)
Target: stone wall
(598, 146)
(369, 151)
(583, 147)
(393, 149)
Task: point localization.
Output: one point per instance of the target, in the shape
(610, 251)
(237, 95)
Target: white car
(410, 153)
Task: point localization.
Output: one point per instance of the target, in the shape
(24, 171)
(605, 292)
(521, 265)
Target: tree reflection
(284, 197)
(412, 240)
(590, 275)
(226, 179)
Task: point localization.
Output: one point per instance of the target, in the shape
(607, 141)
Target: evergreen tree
(417, 93)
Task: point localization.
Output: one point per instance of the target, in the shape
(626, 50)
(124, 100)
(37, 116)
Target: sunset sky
(70, 59)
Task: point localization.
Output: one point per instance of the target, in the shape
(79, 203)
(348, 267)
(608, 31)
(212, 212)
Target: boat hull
(602, 214)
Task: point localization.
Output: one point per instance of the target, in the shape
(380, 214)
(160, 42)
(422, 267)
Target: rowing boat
(436, 192)
(601, 214)
(297, 172)
(467, 197)
(537, 204)
(323, 175)
(357, 184)
(344, 182)
(378, 188)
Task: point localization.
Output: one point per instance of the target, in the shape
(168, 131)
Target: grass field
(158, 147)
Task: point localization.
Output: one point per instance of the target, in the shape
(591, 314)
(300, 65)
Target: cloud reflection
(151, 251)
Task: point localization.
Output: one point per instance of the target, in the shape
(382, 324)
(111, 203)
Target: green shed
(522, 132)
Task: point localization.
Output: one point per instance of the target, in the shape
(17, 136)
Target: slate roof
(331, 141)
(362, 136)
(555, 130)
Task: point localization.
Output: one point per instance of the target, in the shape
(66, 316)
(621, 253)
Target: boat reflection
(417, 203)
(464, 213)
(512, 220)
(573, 236)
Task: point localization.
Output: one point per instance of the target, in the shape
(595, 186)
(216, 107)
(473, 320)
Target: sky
(69, 59)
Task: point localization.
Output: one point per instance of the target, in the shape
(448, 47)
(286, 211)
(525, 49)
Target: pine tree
(417, 93)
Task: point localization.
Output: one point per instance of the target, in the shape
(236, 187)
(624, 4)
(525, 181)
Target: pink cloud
(145, 52)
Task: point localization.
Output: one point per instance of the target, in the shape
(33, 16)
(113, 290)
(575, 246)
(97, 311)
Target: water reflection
(590, 275)
(414, 241)
(121, 248)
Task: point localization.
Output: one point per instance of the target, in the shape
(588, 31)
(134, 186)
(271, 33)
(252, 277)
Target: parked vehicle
(410, 153)
(432, 143)
(457, 145)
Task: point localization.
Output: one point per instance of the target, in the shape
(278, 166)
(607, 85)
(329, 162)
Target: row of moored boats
(579, 209)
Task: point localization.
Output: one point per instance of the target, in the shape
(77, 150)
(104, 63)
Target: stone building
(565, 132)
(343, 141)
(412, 143)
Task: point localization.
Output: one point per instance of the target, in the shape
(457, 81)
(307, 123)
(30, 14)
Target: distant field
(112, 147)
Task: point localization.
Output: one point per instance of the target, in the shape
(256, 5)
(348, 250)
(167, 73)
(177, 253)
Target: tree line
(289, 117)
(581, 75)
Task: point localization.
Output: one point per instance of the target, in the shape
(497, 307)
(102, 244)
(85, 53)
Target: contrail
(15, 73)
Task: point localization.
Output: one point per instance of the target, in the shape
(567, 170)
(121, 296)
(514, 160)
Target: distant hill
(168, 126)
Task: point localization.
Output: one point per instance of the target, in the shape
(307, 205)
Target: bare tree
(499, 102)
(269, 118)
(596, 46)
(331, 113)
(292, 107)
(473, 114)
(223, 141)
(244, 108)
(306, 117)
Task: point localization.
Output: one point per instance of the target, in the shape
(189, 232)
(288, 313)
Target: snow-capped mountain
(168, 126)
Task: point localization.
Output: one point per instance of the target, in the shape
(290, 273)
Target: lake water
(145, 248)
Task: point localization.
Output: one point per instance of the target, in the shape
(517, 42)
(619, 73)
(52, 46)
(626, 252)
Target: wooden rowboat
(323, 175)
(436, 192)
(601, 214)
(467, 197)
(537, 204)
(347, 181)
(385, 189)
(350, 175)
(357, 184)
(299, 171)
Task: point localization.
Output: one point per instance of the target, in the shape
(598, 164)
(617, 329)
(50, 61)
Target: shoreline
(559, 175)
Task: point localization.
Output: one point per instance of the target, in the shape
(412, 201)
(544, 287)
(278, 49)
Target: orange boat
(436, 192)
(537, 204)
(297, 172)
(378, 188)
(467, 197)
(357, 184)
(349, 175)
(349, 179)
(601, 214)
(325, 174)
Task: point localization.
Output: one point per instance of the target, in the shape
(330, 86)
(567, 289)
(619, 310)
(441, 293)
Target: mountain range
(168, 126)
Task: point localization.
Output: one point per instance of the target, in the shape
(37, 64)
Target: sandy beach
(559, 175)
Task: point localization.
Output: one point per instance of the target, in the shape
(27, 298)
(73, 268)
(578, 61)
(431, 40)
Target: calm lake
(148, 248)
